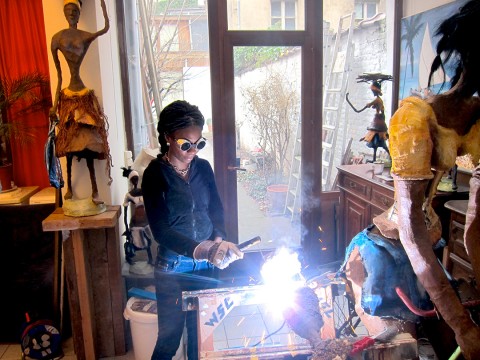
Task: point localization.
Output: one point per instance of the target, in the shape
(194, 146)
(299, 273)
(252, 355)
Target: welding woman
(186, 217)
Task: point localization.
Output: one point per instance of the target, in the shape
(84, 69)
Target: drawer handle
(384, 201)
(352, 185)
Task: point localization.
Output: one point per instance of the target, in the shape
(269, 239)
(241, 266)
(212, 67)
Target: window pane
(265, 14)
(290, 9)
(276, 9)
(169, 37)
(199, 35)
(267, 113)
(359, 11)
(276, 23)
(169, 61)
(346, 72)
(289, 24)
(371, 10)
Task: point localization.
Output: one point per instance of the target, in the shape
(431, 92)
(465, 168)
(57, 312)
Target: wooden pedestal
(95, 287)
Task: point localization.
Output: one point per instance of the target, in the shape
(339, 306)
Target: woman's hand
(218, 252)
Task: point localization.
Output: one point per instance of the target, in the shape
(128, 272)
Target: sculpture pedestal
(95, 286)
(82, 207)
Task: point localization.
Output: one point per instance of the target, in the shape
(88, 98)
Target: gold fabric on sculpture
(410, 141)
(418, 144)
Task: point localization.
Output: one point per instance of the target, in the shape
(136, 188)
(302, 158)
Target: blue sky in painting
(433, 18)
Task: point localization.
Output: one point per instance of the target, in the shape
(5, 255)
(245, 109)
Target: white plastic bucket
(144, 329)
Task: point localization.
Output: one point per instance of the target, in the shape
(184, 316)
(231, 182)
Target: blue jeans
(172, 276)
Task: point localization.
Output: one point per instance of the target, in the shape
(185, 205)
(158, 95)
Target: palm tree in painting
(411, 29)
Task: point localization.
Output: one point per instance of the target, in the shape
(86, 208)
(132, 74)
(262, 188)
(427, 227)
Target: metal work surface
(238, 322)
(235, 323)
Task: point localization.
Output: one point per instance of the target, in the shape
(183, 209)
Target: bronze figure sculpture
(377, 131)
(82, 126)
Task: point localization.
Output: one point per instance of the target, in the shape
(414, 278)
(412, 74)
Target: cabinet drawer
(381, 198)
(457, 231)
(459, 249)
(461, 268)
(356, 186)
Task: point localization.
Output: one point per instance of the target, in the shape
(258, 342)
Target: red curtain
(23, 50)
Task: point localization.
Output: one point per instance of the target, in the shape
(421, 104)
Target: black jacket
(182, 213)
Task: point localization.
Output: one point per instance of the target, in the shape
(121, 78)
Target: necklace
(181, 172)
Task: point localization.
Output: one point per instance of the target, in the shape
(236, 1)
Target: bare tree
(166, 54)
(273, 106)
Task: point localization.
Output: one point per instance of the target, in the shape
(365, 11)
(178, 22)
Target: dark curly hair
(456, 42)
(180, 114)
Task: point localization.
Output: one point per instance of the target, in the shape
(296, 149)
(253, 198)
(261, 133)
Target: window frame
(364, 5)
(221, 42)
(283, 14)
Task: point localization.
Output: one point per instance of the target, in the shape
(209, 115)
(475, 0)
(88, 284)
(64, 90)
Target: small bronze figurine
(377, 131)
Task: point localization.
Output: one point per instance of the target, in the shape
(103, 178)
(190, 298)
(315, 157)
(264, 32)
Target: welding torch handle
(245, 245)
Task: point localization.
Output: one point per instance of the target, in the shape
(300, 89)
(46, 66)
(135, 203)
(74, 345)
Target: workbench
(95, 286)
(239, 323)
(252, 331)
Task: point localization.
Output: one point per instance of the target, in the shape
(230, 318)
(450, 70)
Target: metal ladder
(334, 97)
(293, 201)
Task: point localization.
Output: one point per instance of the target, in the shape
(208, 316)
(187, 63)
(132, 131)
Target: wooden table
(19, 195)
(95, 286)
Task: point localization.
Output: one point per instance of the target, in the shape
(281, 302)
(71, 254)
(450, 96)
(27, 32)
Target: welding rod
(249, 243)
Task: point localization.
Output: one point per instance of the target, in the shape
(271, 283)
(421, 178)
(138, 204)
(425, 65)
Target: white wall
(412, 7)
(100, 71)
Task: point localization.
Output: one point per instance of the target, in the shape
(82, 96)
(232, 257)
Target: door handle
(236, 168)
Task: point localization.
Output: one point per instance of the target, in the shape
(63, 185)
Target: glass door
(259, 102)
(267, 85)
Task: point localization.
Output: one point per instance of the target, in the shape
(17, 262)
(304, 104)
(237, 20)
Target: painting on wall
(418, 44)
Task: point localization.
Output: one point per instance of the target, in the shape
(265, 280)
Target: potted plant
(18, 97)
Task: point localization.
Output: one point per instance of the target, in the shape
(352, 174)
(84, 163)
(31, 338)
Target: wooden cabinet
(29, 268)
(455, 257)
(363, 196)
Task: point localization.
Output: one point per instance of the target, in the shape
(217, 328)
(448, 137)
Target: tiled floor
(14, 352)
